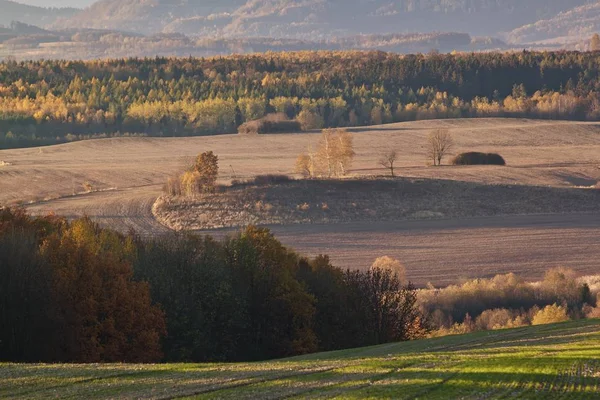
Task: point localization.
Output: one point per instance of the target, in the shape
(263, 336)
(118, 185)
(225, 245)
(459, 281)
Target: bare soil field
(126, 176)
(448, 251)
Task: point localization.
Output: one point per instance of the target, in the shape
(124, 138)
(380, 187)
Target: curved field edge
(550, 361)
(365, 199)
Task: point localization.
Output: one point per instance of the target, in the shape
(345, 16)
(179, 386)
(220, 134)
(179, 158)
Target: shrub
(271, 179)
(189, 183)
(550, 315)
(310, 120)
(173, 186)
(272, 123)
(494, 319)
(475, 158)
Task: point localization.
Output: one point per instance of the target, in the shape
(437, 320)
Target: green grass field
(546, 362)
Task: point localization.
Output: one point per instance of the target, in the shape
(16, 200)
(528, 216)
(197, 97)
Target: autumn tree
(101, 312)
(332, 158)
(69, 294)
(335, 152)
(390, 264)
(207, 167)
(439, 143)
(388, 160)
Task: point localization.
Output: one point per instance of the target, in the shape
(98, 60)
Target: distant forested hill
(315, 19)
(567, 26)
(11, 11)
(49, 101)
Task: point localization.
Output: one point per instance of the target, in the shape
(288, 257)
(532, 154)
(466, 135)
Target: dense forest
(45, 102)
(75, 292)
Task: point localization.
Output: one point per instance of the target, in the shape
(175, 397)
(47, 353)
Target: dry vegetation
(366, 200)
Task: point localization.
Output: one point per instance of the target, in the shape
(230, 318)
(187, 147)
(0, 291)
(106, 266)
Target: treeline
(50, 101)
(73, 292)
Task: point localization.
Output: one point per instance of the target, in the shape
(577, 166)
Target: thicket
(43, 102)
(73, 292)
(272, 123)
(507, 301)
(476, 158)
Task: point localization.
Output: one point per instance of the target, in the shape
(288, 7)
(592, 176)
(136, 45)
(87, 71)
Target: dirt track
(122, 209)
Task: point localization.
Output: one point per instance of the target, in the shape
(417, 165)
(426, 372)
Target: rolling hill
(548, 361)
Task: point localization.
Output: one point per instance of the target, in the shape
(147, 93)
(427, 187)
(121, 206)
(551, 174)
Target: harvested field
(542, 153)
(447, 251)
(127, 174)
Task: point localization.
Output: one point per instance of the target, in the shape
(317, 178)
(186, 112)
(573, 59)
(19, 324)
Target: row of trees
(44, 101)
(73, 292)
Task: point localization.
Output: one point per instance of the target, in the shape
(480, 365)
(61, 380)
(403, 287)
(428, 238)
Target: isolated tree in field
(595, 42)
(333, 156)
(388, 160)
(439, 143)
(207, 167)
(335, 152)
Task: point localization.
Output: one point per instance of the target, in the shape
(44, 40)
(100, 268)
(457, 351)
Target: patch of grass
(549, 361)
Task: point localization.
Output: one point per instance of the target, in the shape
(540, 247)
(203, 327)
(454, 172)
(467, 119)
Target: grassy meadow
(549, 362)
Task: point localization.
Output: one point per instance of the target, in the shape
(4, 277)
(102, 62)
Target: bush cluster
(271, 123)
(506, 301)
(476, 158)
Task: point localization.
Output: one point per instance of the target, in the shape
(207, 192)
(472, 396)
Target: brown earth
(448, 251)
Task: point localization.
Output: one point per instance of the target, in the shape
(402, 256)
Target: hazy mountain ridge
(11, 11)
(316, 19)
(567, 26)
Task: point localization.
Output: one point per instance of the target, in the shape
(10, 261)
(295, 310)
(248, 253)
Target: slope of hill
(316, 18)
(548, 361)
(573, 25)
(11, 11)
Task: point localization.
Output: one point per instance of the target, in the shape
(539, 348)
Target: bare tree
(439, 143)
(388, 160)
